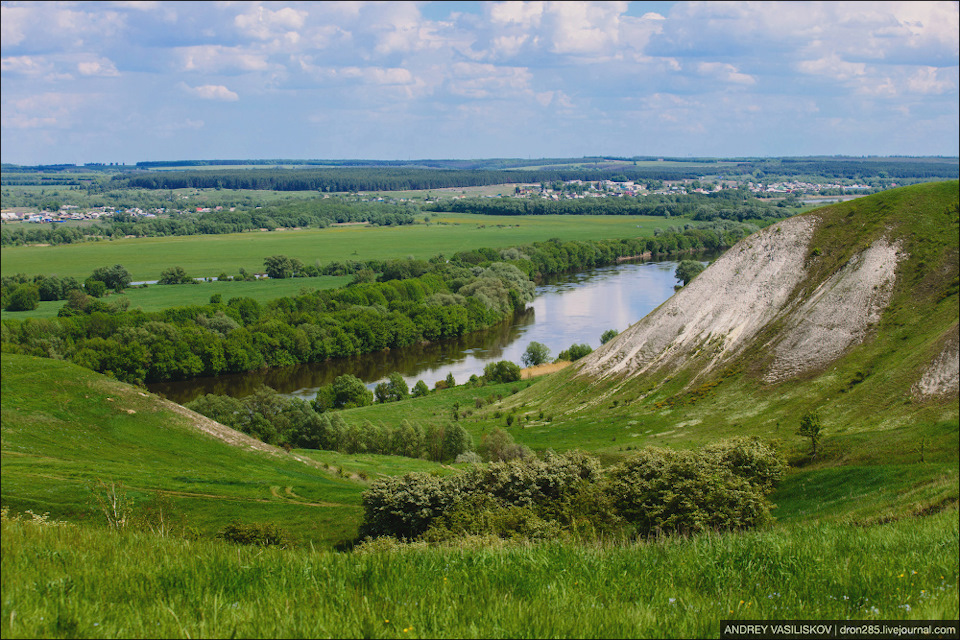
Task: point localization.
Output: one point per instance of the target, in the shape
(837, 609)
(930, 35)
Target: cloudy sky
(131, 81)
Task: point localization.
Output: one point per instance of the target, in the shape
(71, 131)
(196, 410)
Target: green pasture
(70, 581)
(156, 297)
(209, 255)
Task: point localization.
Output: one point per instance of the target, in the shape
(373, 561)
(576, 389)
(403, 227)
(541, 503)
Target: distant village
(571, 189)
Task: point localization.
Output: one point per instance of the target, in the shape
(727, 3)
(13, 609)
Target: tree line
(409, 302)
(734, 205)
(352, 179)
(292, 422)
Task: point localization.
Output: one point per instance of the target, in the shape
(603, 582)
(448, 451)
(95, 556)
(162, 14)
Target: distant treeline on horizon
(549, 168)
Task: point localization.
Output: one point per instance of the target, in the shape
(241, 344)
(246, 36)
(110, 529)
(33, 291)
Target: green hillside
(65, 427)
(867, 399)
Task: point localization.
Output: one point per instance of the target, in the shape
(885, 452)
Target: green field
(157, 297)
(208, 256)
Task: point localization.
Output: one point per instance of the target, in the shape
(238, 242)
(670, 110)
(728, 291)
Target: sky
(146, 81)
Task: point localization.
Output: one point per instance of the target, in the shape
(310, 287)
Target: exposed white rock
(720, 311)
(838, 314)
(943, 376)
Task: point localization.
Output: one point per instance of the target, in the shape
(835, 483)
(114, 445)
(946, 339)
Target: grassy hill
(65, 427)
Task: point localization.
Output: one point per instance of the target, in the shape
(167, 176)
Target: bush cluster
(657, 491)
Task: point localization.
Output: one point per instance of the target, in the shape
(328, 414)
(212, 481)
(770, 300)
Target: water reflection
(575, 308)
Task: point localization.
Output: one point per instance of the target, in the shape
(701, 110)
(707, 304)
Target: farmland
(208, 256)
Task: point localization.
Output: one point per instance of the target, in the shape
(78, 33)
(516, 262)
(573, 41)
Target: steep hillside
(65, 427)
(850, 310)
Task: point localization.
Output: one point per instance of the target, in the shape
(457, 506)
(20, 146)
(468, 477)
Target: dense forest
(411, 301)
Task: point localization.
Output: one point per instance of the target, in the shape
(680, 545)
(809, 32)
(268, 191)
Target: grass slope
(65, 427)
(85, 582)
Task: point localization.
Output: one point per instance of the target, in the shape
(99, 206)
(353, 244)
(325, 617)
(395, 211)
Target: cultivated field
(207, 256)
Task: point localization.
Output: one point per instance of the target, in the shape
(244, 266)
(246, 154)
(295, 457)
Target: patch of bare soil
(943, 375)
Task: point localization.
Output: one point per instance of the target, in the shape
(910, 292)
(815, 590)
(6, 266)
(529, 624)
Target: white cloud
(212, 92)
(50, 109)
(725, 72)
(12, 30)
(265, 24)
(217, 58)
(26, 65)
(931, 80)
(101, 67)
(832, 66)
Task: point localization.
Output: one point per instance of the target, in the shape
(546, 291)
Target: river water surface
(573, 309)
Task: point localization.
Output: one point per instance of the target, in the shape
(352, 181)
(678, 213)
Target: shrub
(174, 275)
(722, 487)
(254, 533)
(420, 389)
(502, 371)
(608, 335)
(687, 270)
(26, 297)
(575, 352)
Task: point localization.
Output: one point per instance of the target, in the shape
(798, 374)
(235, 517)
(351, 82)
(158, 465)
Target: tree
(95, 288)
(25, 297)
(398, 387)
(456, 440)
(687, 270)
(278, 266)
(381, 392)
(608, 335)
(349, 391)
(174, 275)
(502, 371)
(115, 277)
(811, 427)
(575, 352)
(536, 354)
(420, 389)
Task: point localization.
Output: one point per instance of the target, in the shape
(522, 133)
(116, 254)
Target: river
(572, 309)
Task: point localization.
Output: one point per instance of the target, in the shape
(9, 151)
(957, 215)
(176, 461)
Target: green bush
(722, 487)
(529, 498)
(575, 352)
(25, 297)
(502, 371)
(254, 533)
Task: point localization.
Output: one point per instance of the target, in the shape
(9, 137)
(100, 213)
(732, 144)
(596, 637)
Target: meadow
(70, 581)
(156, 297)
(208, 256)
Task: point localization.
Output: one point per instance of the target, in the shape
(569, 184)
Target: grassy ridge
(87, 582)
(207, 256)
(65, 427)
